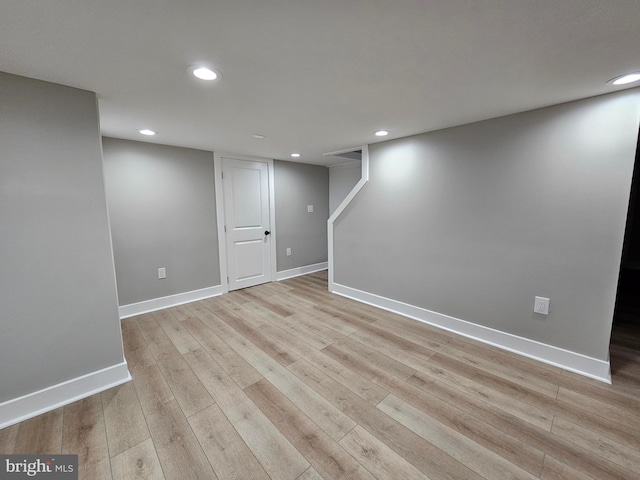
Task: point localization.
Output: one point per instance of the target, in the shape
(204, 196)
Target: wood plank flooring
(287, 381)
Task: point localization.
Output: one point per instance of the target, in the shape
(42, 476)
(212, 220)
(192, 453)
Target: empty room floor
(287, 381)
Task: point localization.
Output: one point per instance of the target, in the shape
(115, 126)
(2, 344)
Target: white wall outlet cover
(541, 305)
(288, 252)
(310, 208)
(162, 272)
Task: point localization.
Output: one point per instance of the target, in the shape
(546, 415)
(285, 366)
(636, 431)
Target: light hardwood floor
(286, 381)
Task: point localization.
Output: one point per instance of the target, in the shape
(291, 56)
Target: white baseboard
(47, 399)
(168, 301)
(572, 361)
(295, 272)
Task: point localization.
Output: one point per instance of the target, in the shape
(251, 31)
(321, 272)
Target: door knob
(267, 232)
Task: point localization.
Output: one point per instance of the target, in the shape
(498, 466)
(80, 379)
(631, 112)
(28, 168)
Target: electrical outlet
(288, 252)
(310, 208)
(162, 272)
(541, 305)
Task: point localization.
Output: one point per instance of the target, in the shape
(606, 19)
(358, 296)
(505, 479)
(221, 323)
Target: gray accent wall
(163, 214)
(58, 304)
(296, 186)
(475, 221)
(342, 179)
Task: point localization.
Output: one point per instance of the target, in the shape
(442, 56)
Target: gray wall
(296, 186)
(474, 221)
(342, 179)
(58, 300)
(163, 214)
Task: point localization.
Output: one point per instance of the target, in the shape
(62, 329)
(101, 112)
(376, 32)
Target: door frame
(220, 220)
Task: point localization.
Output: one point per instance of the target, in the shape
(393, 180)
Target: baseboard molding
(574, 362)
(295, 272)
(168, 301)
(47, 399)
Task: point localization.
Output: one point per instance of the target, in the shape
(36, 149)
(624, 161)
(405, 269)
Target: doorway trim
(220, 221)
(364, 178)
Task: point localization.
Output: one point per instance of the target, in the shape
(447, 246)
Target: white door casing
(247, 250)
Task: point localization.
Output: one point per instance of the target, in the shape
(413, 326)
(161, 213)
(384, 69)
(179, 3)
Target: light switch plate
(162, 272)
(310, 208)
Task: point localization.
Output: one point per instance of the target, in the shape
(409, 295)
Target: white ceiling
(316, 76)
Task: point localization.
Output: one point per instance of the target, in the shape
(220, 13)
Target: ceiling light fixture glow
(146, 131)
(257, 135)
(382, 133)
(295, 155)
(624, 79)
(204, 73)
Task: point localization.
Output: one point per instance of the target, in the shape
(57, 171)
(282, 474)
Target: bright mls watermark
(50, 467)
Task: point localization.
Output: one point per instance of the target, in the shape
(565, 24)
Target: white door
(247, 223)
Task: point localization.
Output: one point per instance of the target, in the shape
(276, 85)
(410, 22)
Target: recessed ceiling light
(146, 131)
(256, 135)
(295, 155)
(624, 79)
(382, 133)
(204, 73)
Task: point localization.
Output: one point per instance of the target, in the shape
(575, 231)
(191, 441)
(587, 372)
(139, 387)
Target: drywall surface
(342, 179)
(58, 301)
(298, 185)
(475, 221)
(163, 215)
